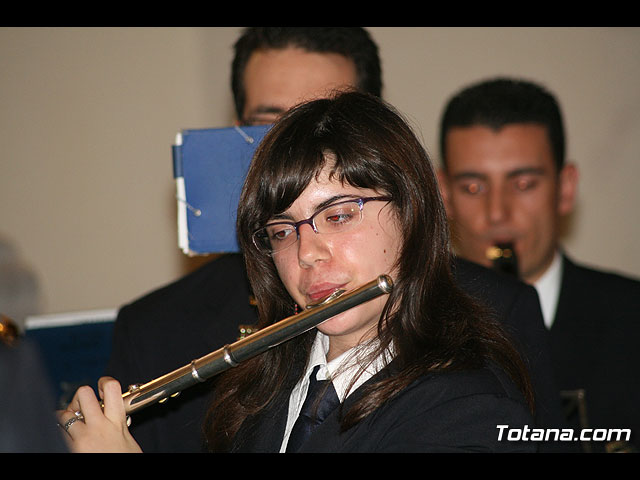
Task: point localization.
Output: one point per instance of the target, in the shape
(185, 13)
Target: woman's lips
(316, 292)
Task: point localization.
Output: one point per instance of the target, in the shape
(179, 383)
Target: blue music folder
(210, 166)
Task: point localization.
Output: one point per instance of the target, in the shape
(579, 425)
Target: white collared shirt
(341, 370)
(548, 287)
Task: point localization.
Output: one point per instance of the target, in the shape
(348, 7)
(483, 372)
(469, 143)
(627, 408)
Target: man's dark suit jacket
(199, 313)
(448, 412)
(595, 340)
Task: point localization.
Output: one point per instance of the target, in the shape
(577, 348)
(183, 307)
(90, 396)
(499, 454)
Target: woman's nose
(312, 247)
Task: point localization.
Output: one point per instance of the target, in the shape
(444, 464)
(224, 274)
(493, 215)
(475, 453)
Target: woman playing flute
(339, 192)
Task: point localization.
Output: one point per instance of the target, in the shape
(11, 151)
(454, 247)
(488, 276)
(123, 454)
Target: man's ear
(567, 189)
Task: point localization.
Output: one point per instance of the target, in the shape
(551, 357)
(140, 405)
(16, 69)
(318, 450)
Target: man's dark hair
(499, 102)
(354, 43)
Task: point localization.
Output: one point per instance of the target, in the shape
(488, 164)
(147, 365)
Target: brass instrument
(504, 259)
(8, 331)
(201, 369)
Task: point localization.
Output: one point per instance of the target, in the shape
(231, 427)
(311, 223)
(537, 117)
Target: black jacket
(446, 412)
(595, 340)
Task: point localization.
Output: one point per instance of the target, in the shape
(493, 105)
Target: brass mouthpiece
(495, 252)
(504, 259)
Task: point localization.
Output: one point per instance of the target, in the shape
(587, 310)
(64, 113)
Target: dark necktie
(314, 410)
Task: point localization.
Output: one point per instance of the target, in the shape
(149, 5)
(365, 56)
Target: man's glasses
(336, 218)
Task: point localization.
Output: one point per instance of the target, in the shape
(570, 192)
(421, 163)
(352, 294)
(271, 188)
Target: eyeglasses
(336, 218)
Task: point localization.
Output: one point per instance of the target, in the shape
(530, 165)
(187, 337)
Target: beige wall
(88, 116)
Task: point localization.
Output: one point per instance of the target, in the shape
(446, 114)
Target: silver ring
(79, 415)
(70, 422)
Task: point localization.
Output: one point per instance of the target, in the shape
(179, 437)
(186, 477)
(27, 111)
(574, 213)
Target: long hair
(430, 323)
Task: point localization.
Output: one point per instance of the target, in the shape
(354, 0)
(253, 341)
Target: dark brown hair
(498, 102)
(354, 43)
(432, 325)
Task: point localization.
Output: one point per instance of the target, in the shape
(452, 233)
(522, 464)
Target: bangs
(288, 167)
(284, 178)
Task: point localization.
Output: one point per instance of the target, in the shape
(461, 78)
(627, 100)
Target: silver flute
(199, 370)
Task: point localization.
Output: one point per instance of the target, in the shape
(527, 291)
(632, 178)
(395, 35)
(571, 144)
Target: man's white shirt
(548, 288)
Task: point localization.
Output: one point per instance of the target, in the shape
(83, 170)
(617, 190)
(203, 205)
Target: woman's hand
(101, 430)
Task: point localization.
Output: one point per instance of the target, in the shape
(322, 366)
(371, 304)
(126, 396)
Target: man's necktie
(314, 410)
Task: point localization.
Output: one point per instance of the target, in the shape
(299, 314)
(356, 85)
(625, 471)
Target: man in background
(274, 69)
(506, 185)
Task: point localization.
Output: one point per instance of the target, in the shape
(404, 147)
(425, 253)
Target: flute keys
(173, 395)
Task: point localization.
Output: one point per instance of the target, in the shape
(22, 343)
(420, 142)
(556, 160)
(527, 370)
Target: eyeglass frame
(311, 220)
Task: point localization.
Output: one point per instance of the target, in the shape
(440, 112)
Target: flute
(199, 370)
